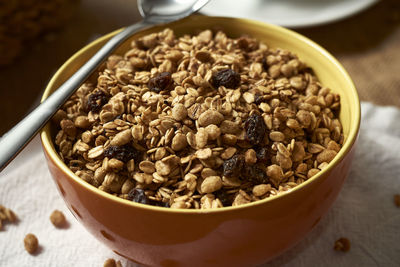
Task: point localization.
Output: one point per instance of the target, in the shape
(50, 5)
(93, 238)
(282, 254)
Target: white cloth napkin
(364, 211)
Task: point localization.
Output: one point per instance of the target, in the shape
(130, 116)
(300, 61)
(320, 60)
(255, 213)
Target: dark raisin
(265, 64)
(225, 198)
(138, 195)
(233, 166)
(166, 102)
(227, 78)
(254, 174)
(255, 129)
(96, 100)
(258, 98)
(122, 153)
(261, 154)
(161, 82)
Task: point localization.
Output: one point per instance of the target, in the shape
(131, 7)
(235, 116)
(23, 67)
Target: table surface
(367, 44)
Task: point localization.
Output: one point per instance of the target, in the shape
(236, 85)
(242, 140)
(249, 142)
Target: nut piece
(179, 112)
(112, 263)
(115, 164)
(6, 215)
(201, 138)
(57, 218)
(250, 157)
(11, 217)
(82, 122)
(229, 127)
(228, 153)
(211, 184)
(68, 127)
(121, 138)
(326, 156)
(397, 200)
(204, 153)
(210, 117)
(275, 174)
(276, 136)
(31, 243)
(240, 199)
(312, 172)
(213, 131)
(261, 189)
(179, 142)
(342, 244)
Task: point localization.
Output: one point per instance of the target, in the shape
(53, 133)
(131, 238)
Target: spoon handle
(20, 135)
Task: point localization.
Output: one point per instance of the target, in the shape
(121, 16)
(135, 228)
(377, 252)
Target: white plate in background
(288, 13)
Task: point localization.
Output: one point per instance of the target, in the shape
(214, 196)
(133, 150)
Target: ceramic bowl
(232, 236)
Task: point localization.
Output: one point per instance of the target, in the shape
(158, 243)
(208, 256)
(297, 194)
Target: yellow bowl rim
(47, 143)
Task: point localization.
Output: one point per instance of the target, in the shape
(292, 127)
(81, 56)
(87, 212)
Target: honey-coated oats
(201, 121)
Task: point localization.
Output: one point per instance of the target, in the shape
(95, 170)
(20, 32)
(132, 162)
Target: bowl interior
(328, 70)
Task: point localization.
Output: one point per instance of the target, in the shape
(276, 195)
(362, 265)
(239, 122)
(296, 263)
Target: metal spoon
(152, 11)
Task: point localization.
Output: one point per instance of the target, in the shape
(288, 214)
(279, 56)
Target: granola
(342, 244)
(57, 218)
(31, 243)
(202, 121)
(7, 216)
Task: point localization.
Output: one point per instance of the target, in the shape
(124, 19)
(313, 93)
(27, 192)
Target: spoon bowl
(160, 11)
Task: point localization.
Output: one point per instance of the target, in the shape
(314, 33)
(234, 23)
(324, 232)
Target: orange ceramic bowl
(231, 236)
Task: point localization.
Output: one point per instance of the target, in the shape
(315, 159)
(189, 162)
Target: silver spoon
(152, 11)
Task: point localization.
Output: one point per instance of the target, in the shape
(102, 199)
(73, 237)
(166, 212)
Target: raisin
(258, 98)
(96, 100)
(233, 166)
(122, 153)
(225, 198)
(138, 195)
(261, 154)
(161, 82)
(265, 64)
(254, 174)
(227, 78)
(255, 129)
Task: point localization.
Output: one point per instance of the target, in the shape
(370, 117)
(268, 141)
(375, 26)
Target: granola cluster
(202, 121)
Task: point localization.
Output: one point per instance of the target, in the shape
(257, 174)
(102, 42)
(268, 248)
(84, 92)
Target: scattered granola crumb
(397, 200)
(11, 217)
(6, 215)
(57, 218)
(342, 244)
(112, 263)
(31, 243)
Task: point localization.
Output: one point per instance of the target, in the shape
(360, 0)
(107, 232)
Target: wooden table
(367, 45)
